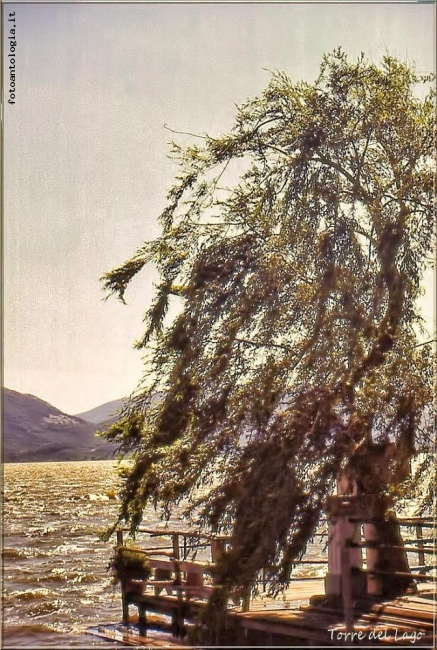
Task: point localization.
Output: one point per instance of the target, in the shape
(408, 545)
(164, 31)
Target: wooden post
(142, 619)
(178, 618)
(246, 600)
(420, 553)
(175, 540)
(346, 589)
(264, 580)
(217, 549)
(341, 531)
(374, 582)
(124, 602)
(124, 605)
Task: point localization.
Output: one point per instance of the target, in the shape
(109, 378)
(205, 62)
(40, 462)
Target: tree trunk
(392, 559)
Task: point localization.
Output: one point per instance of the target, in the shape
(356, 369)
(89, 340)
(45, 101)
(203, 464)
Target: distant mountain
(104, 414)
(34, 430)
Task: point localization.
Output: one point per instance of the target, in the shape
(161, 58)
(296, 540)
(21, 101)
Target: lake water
(55, 578)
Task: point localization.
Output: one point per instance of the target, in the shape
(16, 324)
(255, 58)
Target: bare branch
(194, 135)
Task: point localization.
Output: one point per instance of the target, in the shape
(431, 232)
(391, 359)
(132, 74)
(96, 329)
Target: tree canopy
(294, 248)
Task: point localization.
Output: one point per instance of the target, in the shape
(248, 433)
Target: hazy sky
(86, 166)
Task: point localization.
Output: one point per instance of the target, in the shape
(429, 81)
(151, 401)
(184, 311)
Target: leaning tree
(283, 341)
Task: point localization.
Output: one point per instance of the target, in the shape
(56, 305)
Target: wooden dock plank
(399, 610)
(297, 591)
(312, 624)
(132, 638)
(404, 622)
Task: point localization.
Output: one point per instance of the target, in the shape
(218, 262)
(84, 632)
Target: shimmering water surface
(55, 578)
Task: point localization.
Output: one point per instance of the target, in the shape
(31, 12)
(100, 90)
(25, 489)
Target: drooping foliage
(294, 247)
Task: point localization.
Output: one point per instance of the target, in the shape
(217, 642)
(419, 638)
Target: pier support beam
(124, 607)
(341, 531)
(374, 583)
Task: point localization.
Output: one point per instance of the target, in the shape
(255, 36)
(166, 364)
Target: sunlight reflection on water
(55, 566)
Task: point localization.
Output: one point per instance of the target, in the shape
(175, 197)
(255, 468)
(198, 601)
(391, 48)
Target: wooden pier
(407, 621)
(176, 593)
(402, 622)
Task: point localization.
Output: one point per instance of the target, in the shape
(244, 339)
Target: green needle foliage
(294, 247)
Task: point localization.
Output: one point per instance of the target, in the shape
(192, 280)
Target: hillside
(34, 430)
(106, 413)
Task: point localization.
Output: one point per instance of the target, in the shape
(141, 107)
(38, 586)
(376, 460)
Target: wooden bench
(164, 575)
(179, 576)
(187, 585)
(184, 584)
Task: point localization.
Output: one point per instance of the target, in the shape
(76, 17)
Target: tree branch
(258, 344)
(355, 183)
(194, 135)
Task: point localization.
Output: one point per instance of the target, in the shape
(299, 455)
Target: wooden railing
(182, 571)
(183, 561)
(410, 545)
(417, 573)
(185, 543)
(179, 544)
(418, 524)
(175, 570)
